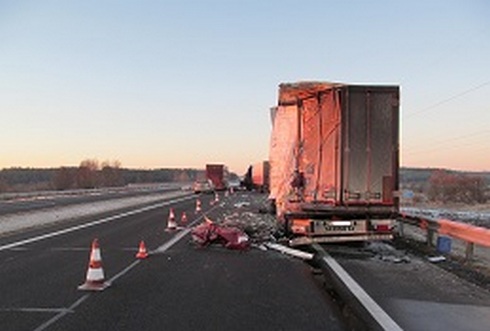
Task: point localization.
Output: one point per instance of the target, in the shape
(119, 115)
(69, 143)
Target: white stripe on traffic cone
(198, 206)
(142, 252)
(183, 219)
(95, 280)
(171, 224)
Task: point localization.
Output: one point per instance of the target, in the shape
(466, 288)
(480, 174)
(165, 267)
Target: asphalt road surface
(181, 287)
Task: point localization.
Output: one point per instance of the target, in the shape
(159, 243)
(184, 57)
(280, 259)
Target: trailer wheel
(285, 227)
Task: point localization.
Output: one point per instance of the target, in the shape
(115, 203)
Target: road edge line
(362, 298)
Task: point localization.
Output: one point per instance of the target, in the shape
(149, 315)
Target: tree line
(445, 186)
(456, 187)
(89, 174)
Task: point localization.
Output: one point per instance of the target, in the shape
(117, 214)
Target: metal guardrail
(470, 234)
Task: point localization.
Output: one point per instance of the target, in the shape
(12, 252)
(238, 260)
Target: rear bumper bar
(335, 239)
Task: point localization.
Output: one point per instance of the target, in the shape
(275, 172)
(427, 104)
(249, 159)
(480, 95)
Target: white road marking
(172, 241)
(37, 310)
(124, 271)
(175, 239)
(160, 249)
(63, 313)
(72, 249)
(87, 225)
(379, 315)
(180, 235)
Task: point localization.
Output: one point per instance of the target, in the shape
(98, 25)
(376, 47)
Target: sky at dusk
(156, 84)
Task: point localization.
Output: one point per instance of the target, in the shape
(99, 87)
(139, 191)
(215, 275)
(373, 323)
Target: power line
(448, 100)
(448, 147)
(445, 141)
(443, 144)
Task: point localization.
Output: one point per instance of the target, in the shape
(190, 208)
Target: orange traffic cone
(142, 252)
(183, 219)
(171, 224)
(198, 206)
(95, 274)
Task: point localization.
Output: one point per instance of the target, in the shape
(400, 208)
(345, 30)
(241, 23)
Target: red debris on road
(208, 233)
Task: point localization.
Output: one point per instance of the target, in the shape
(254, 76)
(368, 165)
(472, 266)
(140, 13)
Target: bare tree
(453, 187)
(87, 174)
(110, 174)
(64, 178)
(3, 186)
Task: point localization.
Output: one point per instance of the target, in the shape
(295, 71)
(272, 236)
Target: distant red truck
(260, 176)
(216, 173)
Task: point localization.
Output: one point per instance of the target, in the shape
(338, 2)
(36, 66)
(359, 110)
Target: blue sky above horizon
(182, 83)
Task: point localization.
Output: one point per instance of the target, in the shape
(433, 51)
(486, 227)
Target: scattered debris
(404, 259)
(241, 204)
(379, 248)
(244, 221)
(436, 259)
(290, 251)
(258, 227)
(386, 252)
(208, 233)
(395, 259)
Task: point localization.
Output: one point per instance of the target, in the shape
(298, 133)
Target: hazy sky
(183, 83)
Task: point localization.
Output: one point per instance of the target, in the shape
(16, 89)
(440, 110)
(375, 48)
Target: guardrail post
(401, 231)
(470, 251)
(430, 237)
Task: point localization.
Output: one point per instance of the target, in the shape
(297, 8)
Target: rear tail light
(383, 228)
(300, 226)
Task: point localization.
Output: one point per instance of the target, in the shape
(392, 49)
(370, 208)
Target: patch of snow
(472, 217)
(19, 221)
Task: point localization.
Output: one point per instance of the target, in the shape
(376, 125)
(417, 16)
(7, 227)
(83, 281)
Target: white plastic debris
(262, 247)
(436, 259)
(290, 251)
(241, 204)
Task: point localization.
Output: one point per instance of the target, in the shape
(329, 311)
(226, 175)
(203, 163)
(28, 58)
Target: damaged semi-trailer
(334, 159)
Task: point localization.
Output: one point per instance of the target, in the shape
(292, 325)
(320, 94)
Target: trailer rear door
(370, 144)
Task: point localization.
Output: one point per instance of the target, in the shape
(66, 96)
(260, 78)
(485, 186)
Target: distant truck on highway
(216, 174)
(334, 161)
(260, 176)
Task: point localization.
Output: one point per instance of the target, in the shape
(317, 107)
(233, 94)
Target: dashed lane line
(62, 313)
(160, 249)
(37, 310)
